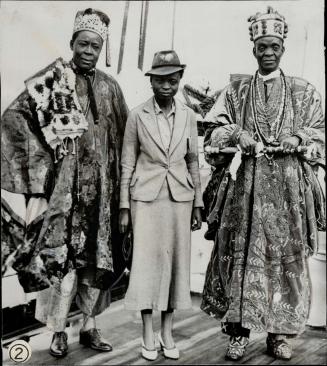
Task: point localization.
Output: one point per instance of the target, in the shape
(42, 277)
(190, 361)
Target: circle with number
(19, 351)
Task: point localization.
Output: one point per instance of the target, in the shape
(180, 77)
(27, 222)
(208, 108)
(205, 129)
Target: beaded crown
(92, 20)
(268, 24)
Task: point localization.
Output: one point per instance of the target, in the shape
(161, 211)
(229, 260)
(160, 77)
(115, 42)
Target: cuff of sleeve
(302, 136)
(198, 202)
(124, 205)
(236, 134)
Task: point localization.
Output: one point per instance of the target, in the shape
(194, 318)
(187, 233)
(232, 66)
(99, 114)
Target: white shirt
(272, 75)
(268, 81)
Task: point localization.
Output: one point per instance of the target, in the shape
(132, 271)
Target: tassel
(235, 164)
(55, 154)
(74, 147)
(65, 146)
(108, 57)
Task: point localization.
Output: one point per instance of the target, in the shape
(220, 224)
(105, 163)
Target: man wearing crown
(266, 220)
(61, 147)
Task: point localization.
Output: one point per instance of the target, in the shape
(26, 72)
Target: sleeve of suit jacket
(192, 160)
(128, 159)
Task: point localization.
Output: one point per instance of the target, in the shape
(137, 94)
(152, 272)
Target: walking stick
(266, 150)
(263, 150)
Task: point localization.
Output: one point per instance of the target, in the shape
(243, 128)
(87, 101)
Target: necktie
(266, 91)
(88, 77)
(93, 104)
(268, 84)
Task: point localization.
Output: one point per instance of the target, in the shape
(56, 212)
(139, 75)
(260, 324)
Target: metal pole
(173, 26)
(305, 49)
(123, 35)
(144, 19)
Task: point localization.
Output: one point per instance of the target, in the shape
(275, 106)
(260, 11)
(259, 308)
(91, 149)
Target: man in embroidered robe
(265, 222)
(61, 147)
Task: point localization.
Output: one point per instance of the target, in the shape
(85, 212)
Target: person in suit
(161, 195)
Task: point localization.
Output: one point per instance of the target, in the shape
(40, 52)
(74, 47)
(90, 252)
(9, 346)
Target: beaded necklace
(277, 124)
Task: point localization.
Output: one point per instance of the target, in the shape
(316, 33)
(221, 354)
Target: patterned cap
(92, 20)
(268, 24)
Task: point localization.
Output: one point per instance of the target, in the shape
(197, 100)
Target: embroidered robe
(79, 228)
(265, 223)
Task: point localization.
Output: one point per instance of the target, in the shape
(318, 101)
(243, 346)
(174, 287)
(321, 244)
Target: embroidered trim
(91, 22)
(59, 112)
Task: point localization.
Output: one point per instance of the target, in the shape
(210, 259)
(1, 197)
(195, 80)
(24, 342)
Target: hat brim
(165, 70)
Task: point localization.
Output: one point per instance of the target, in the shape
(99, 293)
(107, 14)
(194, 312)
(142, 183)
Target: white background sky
(211, 37)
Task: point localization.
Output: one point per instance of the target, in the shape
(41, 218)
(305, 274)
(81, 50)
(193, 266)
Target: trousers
(53, 304)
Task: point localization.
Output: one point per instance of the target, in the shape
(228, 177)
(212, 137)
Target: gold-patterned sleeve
(312, 131)
(221, 130)
(26, 163)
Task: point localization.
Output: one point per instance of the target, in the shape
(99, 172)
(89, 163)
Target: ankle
(60, 332)
(88, 323)
(149, 339)
(167, 339)
(149, 343)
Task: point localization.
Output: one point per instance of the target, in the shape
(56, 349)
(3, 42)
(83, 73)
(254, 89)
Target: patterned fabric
(53, 304)
(56, 103)
(264, 224)
(82, 188)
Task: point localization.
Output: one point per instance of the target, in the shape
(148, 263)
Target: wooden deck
(197, 336)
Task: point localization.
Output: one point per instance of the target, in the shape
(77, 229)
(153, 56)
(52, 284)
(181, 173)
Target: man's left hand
(290, 143)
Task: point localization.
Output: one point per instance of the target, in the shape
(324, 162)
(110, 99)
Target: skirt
(160, 272)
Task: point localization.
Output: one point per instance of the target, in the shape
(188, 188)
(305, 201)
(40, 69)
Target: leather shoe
(59, 347)
(92, 338)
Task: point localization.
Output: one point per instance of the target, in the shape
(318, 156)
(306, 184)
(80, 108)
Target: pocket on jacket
(133, 181)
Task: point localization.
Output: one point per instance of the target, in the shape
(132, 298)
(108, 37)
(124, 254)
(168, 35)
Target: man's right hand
(123, 220)
(247, 143)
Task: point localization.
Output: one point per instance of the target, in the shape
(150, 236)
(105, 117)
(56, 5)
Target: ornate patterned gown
(79, 177)
(264, 223)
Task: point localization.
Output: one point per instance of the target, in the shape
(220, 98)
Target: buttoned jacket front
(146, 163)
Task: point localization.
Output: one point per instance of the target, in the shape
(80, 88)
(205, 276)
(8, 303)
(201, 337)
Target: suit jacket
(146, 164)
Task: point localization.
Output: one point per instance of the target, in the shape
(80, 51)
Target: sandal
(279, 347)
(236, 348)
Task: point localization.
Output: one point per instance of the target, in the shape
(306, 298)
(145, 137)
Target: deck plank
(197, 336)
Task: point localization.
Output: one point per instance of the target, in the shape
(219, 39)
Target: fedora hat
(165, 63)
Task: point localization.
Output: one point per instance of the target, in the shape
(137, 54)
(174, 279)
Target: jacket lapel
(149, 120)
(179, 126)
